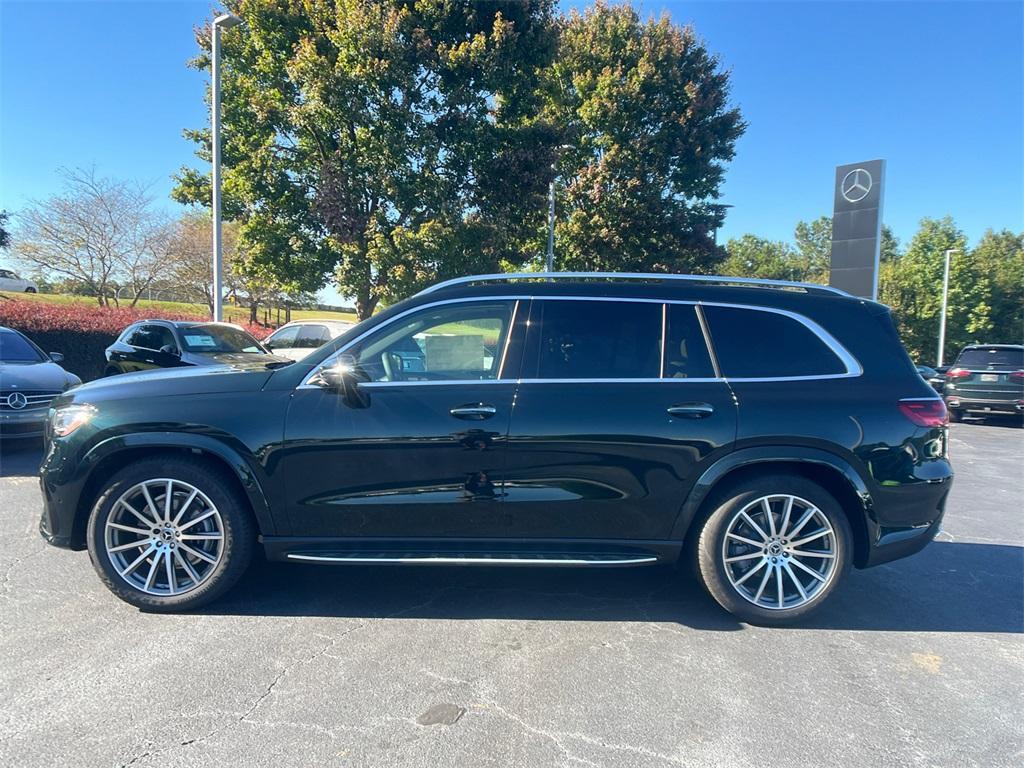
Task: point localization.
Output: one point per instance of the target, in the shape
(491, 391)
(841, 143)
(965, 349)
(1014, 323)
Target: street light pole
(225, 21)
(550, 263)
(945, 302)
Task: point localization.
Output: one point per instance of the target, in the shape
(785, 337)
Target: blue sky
(937, 89)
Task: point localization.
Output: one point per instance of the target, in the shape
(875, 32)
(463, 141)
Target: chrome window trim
(664, 333)
(852, 365)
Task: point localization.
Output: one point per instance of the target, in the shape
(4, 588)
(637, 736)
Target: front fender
(231, 456)
(766, 455)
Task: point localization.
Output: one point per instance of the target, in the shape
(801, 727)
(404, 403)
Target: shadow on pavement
(949, 587)
(20, 458)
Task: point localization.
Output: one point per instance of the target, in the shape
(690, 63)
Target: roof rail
(754, 282)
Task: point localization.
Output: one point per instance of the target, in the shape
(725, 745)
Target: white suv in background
(11, 282)
(298, 338)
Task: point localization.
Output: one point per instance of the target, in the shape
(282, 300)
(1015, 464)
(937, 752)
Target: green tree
(912, 286)
(1000, 257)
(643, 110)
(389, 143)
(752, 256)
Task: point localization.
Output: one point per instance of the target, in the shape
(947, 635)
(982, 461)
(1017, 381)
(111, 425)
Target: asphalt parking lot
(917, 663)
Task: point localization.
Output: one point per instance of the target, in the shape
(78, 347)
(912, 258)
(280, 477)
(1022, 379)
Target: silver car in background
(298, 338)
(29, 380)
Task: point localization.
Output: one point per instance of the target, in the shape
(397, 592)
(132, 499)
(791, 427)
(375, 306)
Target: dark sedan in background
(150, 344)
(29, 380)
(986, 380)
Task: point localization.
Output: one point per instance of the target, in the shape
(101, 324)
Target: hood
(165, 382)
(247, 360)
(45, 376)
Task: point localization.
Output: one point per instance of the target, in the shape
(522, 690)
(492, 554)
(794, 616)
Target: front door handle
(473, 411)
(691, 410)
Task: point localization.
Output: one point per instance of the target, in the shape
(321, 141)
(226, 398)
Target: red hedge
(82, 332)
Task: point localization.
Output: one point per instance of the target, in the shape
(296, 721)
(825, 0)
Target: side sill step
(503, 558)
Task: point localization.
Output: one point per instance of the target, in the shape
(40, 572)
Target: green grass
(231, 313)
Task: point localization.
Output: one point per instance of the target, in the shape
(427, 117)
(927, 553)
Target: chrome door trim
(454, 560)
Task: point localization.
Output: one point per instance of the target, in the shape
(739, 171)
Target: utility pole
(550, 262)
(226, 21)
(945, 302)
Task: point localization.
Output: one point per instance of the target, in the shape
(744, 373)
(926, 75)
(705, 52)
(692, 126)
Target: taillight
(1017, 376)
(925, 413)
(958, 373)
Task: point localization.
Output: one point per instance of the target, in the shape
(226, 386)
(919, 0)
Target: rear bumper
(984, 405)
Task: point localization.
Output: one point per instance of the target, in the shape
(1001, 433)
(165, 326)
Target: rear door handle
(691, 410)
(474, 411)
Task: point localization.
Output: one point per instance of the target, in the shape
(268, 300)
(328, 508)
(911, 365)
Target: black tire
(955, 415)
(710, 556)
(239, 532)
(30, 290)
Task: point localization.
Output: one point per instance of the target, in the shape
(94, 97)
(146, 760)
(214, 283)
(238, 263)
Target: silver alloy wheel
(779, 552)
(164, 537)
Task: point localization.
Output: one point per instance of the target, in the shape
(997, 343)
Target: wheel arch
(832, 472)
(109, 457)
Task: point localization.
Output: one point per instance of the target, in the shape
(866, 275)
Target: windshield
(214, 339)
(991, 358)
(15, 348)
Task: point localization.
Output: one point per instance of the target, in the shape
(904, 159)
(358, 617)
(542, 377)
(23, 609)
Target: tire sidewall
(711, 565)
(238, 533)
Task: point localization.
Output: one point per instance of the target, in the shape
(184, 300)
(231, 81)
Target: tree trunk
(365, 304)
(253, 312)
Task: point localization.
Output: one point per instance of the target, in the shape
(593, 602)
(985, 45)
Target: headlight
(68, 418)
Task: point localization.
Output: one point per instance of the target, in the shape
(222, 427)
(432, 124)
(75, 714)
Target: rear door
(618, 411)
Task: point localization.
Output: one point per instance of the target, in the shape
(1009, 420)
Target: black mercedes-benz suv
(772, 435)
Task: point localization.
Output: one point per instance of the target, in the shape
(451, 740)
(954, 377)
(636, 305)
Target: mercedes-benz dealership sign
(857, 228)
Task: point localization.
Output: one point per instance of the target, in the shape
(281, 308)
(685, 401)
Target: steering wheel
(388, 362)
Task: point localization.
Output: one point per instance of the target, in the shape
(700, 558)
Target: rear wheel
(170, 535)
(774, 549)
(955, 415)
(30, 290)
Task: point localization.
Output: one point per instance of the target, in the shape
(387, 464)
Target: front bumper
(28, 423)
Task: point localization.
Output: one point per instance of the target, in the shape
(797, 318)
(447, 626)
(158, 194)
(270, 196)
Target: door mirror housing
(57, 357)
(170, 349)
(344, 376)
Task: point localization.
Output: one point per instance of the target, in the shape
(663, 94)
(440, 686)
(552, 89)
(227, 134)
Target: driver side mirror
(169, 349)
(57, 357)
(345, 376)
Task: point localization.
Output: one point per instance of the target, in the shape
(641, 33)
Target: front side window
(284, 338)
(312, 336)
(595, 340)
(758, 344)
(451, 342)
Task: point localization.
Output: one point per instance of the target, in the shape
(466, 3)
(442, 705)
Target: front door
(612, 423)
(424, 455)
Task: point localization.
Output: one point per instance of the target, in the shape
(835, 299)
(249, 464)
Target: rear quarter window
(757, 344)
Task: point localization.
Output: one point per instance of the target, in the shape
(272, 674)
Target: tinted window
(151, 337)
(284, 338)
(686, 354)
(15, 348)
(991, 357)
(312, 336)
(218, 338)
(446, 343)
(751, 343)
(597, 340)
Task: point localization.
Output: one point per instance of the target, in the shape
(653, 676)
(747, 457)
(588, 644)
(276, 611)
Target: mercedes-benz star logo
(16, 401)
(856, 185)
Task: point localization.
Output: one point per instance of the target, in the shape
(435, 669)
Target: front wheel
(30, 289)
(170, 534)
(774, 549)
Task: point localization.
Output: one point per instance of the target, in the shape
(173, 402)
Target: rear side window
(686, 354)
(991, 358)
(597, 340)
(757, 344)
